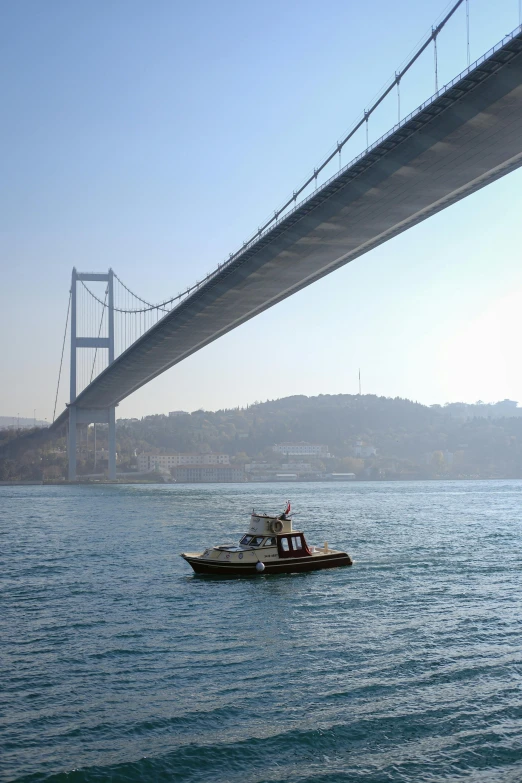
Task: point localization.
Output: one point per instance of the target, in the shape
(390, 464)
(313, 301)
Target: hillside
(373, 437)
(409, 438)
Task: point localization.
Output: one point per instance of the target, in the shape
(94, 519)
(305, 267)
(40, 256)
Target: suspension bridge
(466, 135)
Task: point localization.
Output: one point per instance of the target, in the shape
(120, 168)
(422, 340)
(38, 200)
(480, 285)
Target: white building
(363, 450)
(209, 473)
(148, 462)
(301, 449)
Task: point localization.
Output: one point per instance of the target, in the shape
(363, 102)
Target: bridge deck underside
(466, 138)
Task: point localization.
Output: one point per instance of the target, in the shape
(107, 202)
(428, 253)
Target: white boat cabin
(274, 536)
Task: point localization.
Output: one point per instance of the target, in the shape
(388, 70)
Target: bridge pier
(112, 443)
(79, 416)
(71, 443)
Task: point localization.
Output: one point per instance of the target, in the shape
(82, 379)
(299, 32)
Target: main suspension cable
(61, 359)
(160, 306)
(151, 306)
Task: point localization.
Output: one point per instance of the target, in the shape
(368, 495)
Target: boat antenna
(359, 381)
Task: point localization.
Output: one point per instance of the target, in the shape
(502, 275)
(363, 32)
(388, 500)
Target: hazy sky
(154, 137)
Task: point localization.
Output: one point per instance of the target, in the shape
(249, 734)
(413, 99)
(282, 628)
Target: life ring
(276, 526)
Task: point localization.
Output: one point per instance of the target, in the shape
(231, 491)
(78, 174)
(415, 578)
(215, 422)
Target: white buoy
(260, 566)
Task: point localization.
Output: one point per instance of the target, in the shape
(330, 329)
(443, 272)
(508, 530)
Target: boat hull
(290, 566)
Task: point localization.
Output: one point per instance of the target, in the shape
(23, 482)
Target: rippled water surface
(117, 663)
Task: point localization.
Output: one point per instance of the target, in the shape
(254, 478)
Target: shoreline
(106, 482)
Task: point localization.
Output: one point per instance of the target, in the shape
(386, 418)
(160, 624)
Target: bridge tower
(90, 415)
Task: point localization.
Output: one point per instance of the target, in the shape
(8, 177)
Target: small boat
(270, 546)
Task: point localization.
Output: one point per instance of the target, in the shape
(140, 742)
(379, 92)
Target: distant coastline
(328, 438)
(143, 482)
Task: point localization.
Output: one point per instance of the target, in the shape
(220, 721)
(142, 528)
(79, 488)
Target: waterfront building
(301, 449)
(148, 462)
(208, 473)
(362, 450)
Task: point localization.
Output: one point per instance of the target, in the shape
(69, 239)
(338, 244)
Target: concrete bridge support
(85, 416)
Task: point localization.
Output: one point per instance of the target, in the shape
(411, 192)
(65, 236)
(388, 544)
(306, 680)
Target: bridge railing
(404, 121)
(286, 212)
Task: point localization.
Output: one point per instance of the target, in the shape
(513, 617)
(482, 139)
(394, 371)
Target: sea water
(117, 663)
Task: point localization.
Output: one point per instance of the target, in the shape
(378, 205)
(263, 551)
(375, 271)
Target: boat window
(284, 545)
(270, 542)
(296, 543)
(246, 540)
(257, 541)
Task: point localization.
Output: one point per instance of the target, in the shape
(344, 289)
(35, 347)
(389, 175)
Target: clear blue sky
(155, 137)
